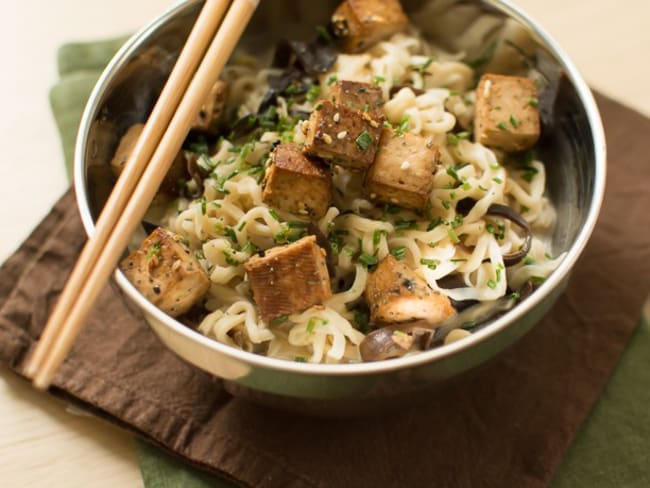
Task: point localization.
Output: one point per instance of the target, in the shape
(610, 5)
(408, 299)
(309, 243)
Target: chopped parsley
(425, 65)
(364, 141)
(379, 79)
(457, 222)
(362, 320)
(497, 180)
(230, 232)
(331, 79)
(403, 125)
(454, 139)
(434, 223)
(204, 205)
(300, 359)
(154, 250)
(502, 126)
(402, 224)
(491, 284)
(323, 34)
(313, 93)
(274, 214)
(376, 236)
(241, 226)
(452, 236)
(230, 259)
(533, 102)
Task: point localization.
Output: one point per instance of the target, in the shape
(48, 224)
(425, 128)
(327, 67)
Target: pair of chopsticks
(199, 66)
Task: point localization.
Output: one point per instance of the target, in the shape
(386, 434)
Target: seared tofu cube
(506, 116)
(289, 279)
(362, 97)
(212, 109)
(166, 272)
(360, 24)
(403, 170)
(395, 294)
(342, 136)
(296, 184)
(125, 148)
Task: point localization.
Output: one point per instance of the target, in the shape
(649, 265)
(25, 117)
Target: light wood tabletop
(42, 441)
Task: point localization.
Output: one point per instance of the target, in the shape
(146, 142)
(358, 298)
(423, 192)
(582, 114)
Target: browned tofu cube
(165, 271)
(289, 279)
(360, 24)
(342, 136)
(297, 184)
(403, 170)
(362, 97)
(506, 112)
(395, 294)
(126, 146)
(212, 109)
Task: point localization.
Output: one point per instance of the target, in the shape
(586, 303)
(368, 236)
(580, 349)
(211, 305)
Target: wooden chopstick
(189, 58)
(71, 319)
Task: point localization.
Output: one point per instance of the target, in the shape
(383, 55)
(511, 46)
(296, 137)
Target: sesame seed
(405, 165)
(337, 117)
(486, 88)
(374, 123)
(342, 134)
(327, 138)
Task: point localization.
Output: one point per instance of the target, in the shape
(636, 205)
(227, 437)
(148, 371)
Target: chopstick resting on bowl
(143, 174)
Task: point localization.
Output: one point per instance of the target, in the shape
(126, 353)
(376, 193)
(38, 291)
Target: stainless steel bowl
(573, 146)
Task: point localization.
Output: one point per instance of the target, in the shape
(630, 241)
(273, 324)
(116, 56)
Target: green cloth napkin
(613, 448)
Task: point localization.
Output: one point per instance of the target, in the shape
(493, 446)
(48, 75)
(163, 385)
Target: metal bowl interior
(572, 146)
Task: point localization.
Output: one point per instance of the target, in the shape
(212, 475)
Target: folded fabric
(509, 425)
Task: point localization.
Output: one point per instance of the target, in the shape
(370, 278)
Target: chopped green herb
(466, 186)
(430, 263)
(391, 209)
(495, 165)
(425, 65)
(402, 224)
(241, 226)
(537, 280)
(311, 325)
(376, 236)
(515, 295)
(200, 147)
(331, 79)
(300, 359)
(445, 204)
(368, 260)
(502, 126)
(398, 252)
(533, 102)
(514, 121)
(458, 260)
(434, 223)
(313, 93)
(452, 236)
(457, 222)
(154, 250)
(258, 168)
(279, 320)
(364, 141)
(230, 259)
(323, 34)
(491, 284)
(204, 205)
(205, 163)
(230, 232)
(297, 224)
(528, 260)
(362, 320)
(403, 125)
(497, 180)
(274, 214)
(379, 79)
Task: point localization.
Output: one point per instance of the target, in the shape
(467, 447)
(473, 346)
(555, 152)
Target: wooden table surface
(41, 441)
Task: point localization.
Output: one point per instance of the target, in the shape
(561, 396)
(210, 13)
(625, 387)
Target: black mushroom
(394, 341)
(508, 213)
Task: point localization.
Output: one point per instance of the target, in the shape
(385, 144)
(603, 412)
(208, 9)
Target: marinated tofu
(164, 270)
(362, 97)
(402, 173)
(506, 116)
(360, 24)
(342, 136)
(212, 109)
(395, 294)
(177, 171)
(297, 184)
(289, 279)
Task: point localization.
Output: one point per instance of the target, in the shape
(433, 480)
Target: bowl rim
(364, 368)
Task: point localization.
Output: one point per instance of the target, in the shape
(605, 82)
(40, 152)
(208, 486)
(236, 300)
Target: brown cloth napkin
(507, 426)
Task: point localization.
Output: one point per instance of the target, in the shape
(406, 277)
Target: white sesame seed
(327, 138)
(342, 134)
(374, 123)
(373, 195)
(405, 165)
(337, 117)
(486, 88)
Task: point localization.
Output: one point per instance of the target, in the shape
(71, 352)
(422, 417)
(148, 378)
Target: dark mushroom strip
(197, 173)
(393, 341)
(312, 58)
(508, 213)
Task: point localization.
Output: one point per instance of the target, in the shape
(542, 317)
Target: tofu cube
(166, 272)
(212, 109)
(124, 150)
(296, 184)
(362, 97)
(342, 136)
(395, 294)
(289, 279)
(403, 170)
(360, 24)
(506, 115)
